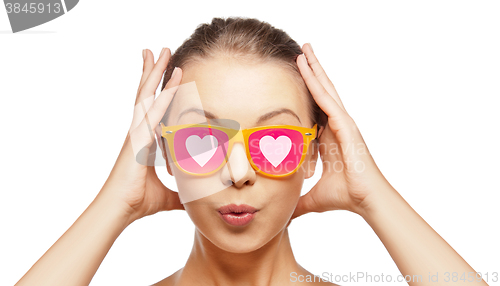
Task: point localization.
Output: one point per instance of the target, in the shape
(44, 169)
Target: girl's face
(243, 92)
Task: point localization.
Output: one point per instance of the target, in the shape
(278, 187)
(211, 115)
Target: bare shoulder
(307, 278)
(303, 277)
(170, 280)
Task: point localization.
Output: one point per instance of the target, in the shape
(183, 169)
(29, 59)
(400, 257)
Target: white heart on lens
(201, 150)
(275, 150)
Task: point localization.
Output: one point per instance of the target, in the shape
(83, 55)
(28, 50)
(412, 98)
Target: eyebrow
(261, 119)
(277, 112)
(201, 112)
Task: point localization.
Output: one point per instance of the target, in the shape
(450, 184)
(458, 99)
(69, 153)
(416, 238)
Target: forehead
(240, 91)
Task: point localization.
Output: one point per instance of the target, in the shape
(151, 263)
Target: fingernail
(144, 54)
(173, 73)
(304, 58)
(162, 51)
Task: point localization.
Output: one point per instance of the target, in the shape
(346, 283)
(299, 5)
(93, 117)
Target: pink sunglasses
(202, 149)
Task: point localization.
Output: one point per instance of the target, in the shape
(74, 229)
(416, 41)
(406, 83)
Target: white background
(420, 79)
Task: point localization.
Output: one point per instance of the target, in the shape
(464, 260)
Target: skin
(260, 252)
(133, 191)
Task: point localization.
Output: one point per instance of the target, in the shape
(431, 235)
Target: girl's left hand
(351, 180)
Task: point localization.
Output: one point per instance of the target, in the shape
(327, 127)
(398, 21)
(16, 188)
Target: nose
(238, 170)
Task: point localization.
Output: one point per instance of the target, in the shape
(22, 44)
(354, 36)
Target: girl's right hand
(132, 185)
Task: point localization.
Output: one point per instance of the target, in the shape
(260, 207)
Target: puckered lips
(237, 215)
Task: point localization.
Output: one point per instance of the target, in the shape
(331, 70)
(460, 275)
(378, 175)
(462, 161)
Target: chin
(243, 242)
(244, 239)
(267, 224)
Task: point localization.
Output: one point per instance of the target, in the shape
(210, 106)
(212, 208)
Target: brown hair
(244, 39)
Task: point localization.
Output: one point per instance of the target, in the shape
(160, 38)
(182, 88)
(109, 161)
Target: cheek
(202, 213)
(196, 213)
(277, 198)
(193, 188)
(284, 198)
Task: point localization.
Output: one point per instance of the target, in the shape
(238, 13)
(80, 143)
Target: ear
(320, 131)
(162, 142)
(314, 154)
(311, 163)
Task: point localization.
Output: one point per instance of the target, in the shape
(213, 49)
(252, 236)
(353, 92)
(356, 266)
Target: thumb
(306, 204)
(173, 201)
(162, 196)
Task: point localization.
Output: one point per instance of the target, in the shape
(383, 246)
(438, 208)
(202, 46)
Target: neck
(269, 265)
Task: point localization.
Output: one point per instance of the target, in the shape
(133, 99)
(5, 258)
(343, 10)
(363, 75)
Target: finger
(160, 105)
(144, 100)
(171, 82)
(147, 67)
(153, 80)
(306, 204)
(174, 201)
(140, 111)
(338, 119)
(320, 74)
(330, 150)
(143, 135)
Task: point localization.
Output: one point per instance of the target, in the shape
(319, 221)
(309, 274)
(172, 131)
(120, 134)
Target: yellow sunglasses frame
(242, 135)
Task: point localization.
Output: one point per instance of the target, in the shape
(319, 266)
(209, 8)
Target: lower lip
(240, 219)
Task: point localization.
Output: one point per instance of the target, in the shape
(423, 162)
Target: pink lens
(200, 150)
(276, 151)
